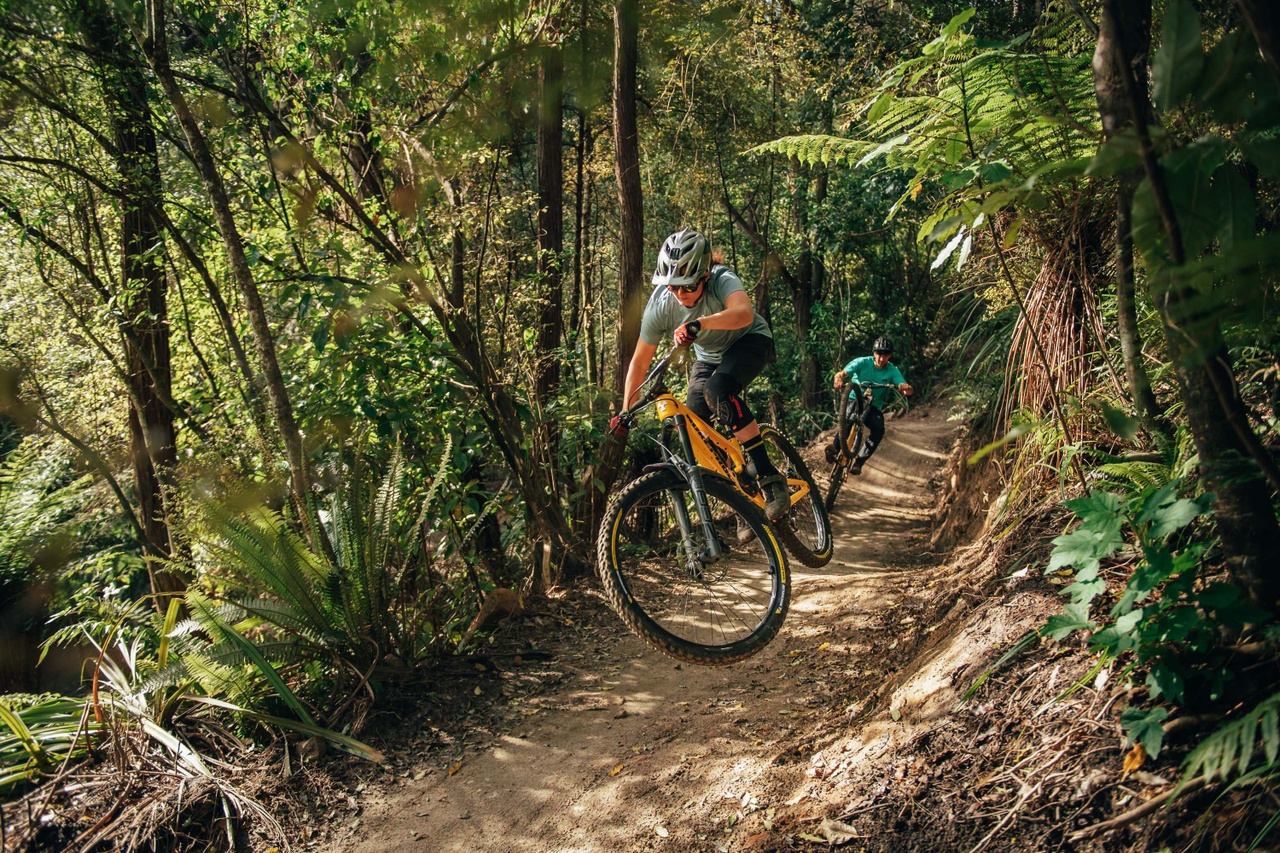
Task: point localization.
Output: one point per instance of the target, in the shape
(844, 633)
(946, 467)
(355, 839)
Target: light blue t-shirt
(864, 370)
(664, 314)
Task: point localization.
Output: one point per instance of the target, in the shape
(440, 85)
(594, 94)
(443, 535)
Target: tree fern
(985, 124)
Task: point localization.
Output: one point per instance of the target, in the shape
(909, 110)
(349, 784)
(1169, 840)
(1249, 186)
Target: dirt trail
(621, 748)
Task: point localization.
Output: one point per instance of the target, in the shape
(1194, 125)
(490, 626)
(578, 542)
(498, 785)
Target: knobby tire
(805, 530)
(705, 613)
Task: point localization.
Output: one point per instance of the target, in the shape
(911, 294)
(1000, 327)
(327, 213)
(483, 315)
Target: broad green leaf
(1118, 154)
(953, 26)
(1176, 624)
(1237, 208)
(1085, 590)
(1083, 549)
(1152, 571)
(1165, 682)
(945, 227)
(1098, 510)
(879, 106)
(1148, 229)
(1263, 153)
(320, 336)
(1188, 174)
(1224, 85)
(1145, 727)
(1126, 623)
(1074, 617)
(1165, 513)
(1176, 68)
(1011, 236)
(1120, 422)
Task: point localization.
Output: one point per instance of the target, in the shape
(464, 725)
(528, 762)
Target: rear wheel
(805, 530)
(656, 574)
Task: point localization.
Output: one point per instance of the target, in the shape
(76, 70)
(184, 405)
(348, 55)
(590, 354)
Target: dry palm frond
(1055, 343)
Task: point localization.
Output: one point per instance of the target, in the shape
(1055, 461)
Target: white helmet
(684, 259)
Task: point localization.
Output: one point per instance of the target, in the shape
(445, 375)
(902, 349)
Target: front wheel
(805, 529)
(849, 435)
(652, 556)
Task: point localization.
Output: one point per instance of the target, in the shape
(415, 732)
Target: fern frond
(1229, 750)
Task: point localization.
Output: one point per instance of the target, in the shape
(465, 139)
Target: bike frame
(702, 449)
(708, 449)
(862, 390)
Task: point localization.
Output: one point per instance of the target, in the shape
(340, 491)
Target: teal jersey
(864, 370)
(664, 314)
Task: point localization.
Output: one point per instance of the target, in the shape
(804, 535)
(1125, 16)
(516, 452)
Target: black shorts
(742, 362)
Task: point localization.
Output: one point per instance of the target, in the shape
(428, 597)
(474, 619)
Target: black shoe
(777, 498)
(856, 469)
(745, 533)
(832, 451)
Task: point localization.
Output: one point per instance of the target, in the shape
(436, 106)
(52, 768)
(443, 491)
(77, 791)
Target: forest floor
(567, 733)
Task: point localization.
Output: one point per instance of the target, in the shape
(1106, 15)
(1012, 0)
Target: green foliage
(1230, 749)
(982, 128)
(36, 497)
(342, 607)
(39, 734)
(1220, 112)
(1168, 615)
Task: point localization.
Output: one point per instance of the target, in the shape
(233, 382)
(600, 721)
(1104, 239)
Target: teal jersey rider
(873, 368)
(863, 370)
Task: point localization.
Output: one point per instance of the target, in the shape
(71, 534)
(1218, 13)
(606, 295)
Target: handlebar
(653, 385)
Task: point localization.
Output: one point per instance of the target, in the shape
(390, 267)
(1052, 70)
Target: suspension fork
(711, 551)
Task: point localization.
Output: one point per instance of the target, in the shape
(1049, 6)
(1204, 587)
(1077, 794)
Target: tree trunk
(1242, 500)
(1134, 26)
(600, 476)
(143, 297)
(155, 46)
(802, 294)
(550, 171)
(631, 291)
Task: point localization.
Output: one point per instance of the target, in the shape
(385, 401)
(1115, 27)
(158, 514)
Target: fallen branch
(1138, 812)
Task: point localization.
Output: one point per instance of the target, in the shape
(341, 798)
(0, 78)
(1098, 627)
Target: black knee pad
(721, 395)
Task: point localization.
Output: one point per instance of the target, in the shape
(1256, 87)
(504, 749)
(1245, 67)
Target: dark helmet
(883, 344)
(685, 258)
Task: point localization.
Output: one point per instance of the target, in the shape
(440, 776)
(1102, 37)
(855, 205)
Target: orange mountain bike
(685, 553)
(851, 430)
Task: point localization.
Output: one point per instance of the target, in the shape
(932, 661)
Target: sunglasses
(882, 352)
(687, 288)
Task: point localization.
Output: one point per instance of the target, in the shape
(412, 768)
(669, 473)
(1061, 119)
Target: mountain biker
(698, 300)
(873, 368)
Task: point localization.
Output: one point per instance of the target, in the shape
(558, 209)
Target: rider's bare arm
(841, 380)
(636, 371)
(737, 313)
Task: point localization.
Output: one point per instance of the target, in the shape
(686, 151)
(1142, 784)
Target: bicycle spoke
(713, 604)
